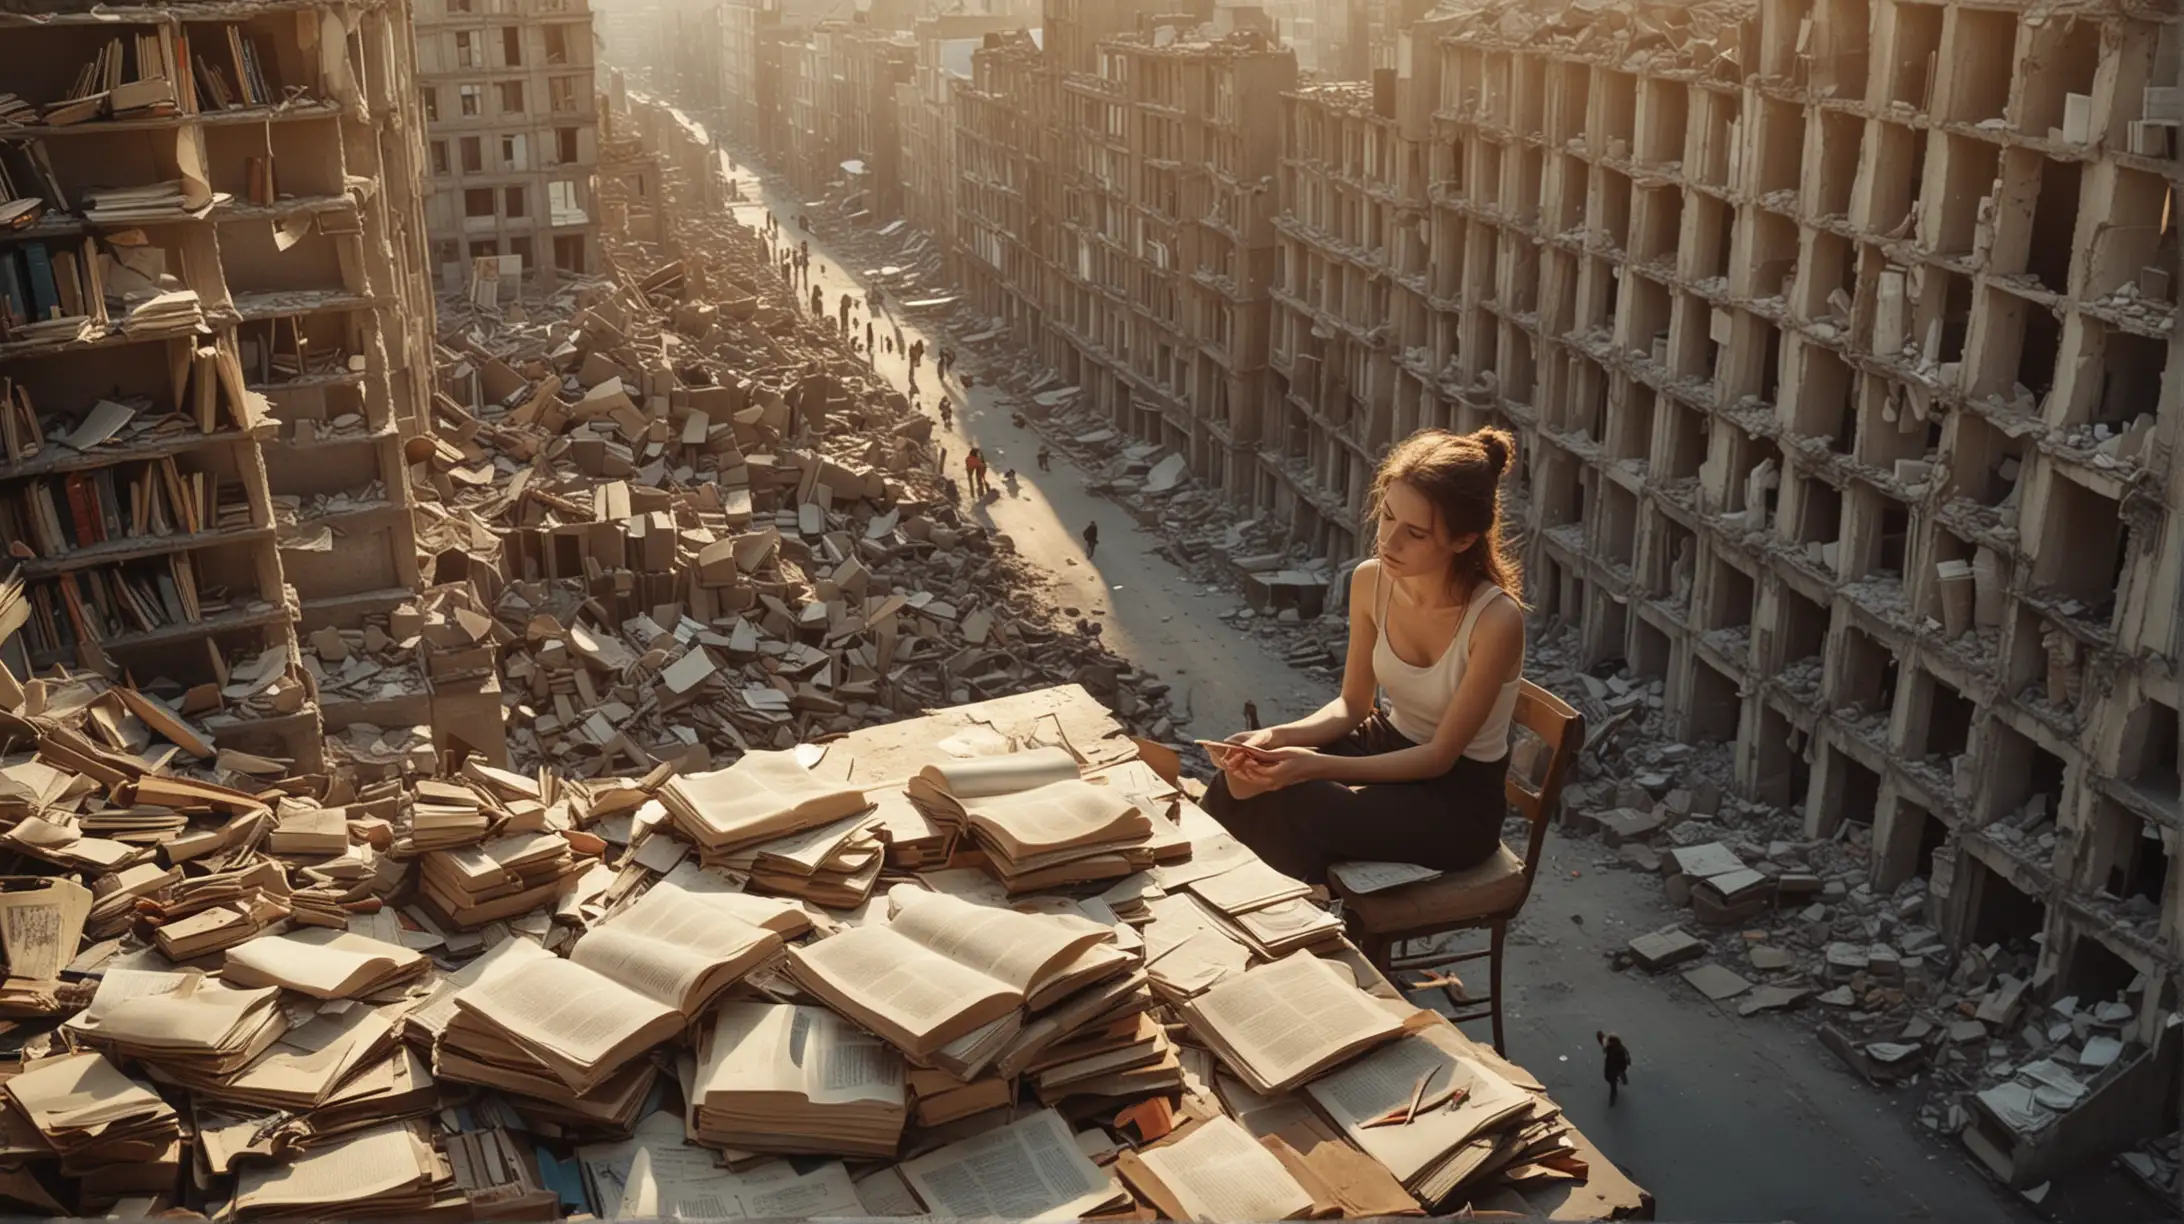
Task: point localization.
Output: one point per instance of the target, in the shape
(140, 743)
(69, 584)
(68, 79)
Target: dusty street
(1726, 1118)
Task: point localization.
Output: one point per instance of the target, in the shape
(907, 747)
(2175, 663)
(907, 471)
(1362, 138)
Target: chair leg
(1494, 974)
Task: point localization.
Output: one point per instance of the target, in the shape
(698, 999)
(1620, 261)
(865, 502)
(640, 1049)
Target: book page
(1219, 1172)
(562, 1006)
(1027, 1170)
(747, 1050)
(776, 1191)
(1002, 944)
(883, 1194)
(433, 1014)
(1282, 1018)
(896, 978)
(660, 946)
(841, 1064)
(1003, 774)
(41, 921)
(351, 1170)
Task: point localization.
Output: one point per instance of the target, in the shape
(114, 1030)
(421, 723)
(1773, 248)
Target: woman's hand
(1274, 768)
(1263, 738)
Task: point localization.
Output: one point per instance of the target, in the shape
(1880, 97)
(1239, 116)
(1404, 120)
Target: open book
(776, 1077)
(943, 968)
(1281, 1024)
(322, 963)
(1217, 1172)
(1461, 1099)
(577, 1023)
(1058, 817)
(1027, 1170)
(675, 949)
(943, 787)
(762, 796)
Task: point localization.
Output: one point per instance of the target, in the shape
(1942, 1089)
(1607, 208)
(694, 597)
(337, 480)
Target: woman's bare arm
(1497, 655)
(1351, 706)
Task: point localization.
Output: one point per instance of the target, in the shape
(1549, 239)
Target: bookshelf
(212, 298)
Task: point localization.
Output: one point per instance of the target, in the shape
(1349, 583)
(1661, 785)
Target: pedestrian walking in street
(868, 348)
(1046, 458)
(974, 465)
(1091, 540)
(1615, 1061)
(917, 355)
(818, 301)
(845, 314)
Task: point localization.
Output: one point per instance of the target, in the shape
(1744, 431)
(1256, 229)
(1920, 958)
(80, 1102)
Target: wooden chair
(1488, 895)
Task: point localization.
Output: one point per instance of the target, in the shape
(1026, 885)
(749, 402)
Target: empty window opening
(2095, 972)
(1714, 706)
(1869, 674)
(2027, 779)
(2002, 912)
(2055, 224)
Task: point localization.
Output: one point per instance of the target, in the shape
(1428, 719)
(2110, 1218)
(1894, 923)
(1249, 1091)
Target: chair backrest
(1561, 731)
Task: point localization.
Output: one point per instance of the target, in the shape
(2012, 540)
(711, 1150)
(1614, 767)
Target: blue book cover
(11, 288)
(45, 296)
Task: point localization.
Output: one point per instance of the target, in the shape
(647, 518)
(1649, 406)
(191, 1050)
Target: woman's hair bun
(1498, 447)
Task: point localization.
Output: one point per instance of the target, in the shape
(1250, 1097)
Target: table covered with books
(989, 962)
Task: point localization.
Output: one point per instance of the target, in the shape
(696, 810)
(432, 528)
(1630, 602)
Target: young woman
(1436, 624)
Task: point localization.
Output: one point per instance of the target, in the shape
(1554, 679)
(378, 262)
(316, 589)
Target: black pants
(1447, 823)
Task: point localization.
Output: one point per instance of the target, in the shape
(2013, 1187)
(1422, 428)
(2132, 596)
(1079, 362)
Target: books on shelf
(97, 605)
(155, 499)
(48, 291)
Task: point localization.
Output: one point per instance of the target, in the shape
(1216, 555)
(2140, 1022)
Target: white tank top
(1418, 696)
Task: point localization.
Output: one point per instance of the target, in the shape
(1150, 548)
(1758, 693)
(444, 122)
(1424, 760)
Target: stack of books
(834, 864)
(777, 1077)
(569, 1034)
(473, 885)
(1063, 833)
(106, 1128)
(196, 1026)
(1125, 1058)
(441, 816)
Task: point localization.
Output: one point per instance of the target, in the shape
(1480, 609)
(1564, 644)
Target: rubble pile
(709, 526)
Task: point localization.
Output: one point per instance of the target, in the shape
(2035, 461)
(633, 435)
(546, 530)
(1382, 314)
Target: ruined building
(512, 140)
(217, 339)
(1844, 370)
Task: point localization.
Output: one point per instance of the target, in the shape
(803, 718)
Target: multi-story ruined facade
(512, 139)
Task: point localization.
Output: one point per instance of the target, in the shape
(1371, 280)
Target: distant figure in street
(1251, 716)
(974, 466)
(845, 313)
(917, 355)
(868, 348)
(1091, 540)
(818, 301)
(1045, 458)
(947, 413)
(1616, 1066)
